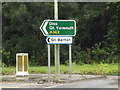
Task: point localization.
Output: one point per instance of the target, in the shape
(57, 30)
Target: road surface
(91, 83)
(95, 83)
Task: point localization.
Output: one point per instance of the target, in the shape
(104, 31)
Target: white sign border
(57, 35)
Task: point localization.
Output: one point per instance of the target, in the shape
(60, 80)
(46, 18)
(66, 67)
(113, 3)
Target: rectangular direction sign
(59, 40)
(58, 27)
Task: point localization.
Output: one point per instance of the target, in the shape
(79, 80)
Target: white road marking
(54, 86)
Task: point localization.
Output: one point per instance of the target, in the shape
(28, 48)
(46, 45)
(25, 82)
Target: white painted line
(54, 86)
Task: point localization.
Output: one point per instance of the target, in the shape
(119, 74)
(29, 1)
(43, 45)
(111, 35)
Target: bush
(112, 59)
(81, 57)
(99, 54)
(80, 63)
(67, 62)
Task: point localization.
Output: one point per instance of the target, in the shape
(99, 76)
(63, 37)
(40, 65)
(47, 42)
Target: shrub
(99, 54)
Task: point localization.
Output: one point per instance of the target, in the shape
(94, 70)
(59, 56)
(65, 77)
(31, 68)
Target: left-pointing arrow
(48, 39)
(44, 28)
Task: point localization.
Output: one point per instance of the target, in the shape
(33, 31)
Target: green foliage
(113, 58)
(21, 31)
(99, 54)
(83, 57)
(8, 70)
(111, 43)
(38, 70)
(64, 69)
(67, 62)
(96, 23)
(80, 63)
(106, 69)
(95, 69)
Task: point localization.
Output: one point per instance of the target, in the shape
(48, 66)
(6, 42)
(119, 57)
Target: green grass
(96, 69)
(92, 69)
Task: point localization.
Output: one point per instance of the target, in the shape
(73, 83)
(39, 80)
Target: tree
(96, 23)
(21, 31)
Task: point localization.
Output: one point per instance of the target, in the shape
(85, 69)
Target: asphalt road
(95, 83)
(91, 83)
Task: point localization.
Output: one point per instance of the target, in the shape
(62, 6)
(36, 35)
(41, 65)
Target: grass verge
(92, 69)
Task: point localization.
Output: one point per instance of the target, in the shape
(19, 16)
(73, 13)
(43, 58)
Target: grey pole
(70, 60)
(56, 46)
(49, 71)
(56, 9)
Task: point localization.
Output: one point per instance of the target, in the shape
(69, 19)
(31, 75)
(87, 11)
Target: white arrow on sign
(43, 28)
(59, 40)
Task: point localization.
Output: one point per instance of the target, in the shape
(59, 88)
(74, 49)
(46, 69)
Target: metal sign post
(49, 71)
(58, 32)
(56, 46)
(70, 60)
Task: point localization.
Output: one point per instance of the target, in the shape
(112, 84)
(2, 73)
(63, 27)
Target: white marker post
(49, 71)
